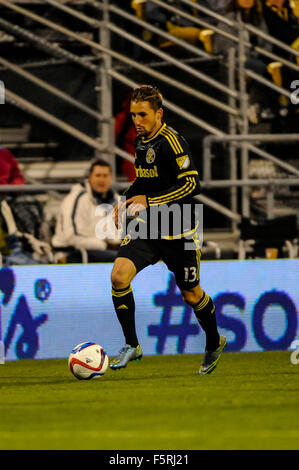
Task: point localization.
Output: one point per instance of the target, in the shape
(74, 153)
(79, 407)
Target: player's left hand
(136, 204)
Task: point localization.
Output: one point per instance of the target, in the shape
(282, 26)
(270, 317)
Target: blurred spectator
(10, 172)
(174, 24)
(294, 4)
(281, 22)
(78, 224)
(219, 6)
(125, 135)
(251, 12)
(260, 97)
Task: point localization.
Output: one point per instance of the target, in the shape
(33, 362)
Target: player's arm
(132, 192)
(182, 172)
(134, 189)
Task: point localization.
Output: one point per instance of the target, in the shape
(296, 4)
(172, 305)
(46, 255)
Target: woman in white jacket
(85, 219)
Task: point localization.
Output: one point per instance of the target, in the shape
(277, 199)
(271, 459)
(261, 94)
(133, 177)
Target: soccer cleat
(211, 358)
(126, 354)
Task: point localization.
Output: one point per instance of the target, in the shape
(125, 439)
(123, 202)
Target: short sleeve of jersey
(180, 167)
(178, 151)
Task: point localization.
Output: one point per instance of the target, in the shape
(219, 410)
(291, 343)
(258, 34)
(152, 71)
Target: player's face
(146, 120)
(100, 179)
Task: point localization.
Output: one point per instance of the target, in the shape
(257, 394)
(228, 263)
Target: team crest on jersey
(150, 155)
(183, 162)
(126, 240)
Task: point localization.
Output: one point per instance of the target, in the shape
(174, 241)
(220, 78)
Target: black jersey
(165, 171)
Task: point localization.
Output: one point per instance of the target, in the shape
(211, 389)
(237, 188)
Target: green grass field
(251, 401)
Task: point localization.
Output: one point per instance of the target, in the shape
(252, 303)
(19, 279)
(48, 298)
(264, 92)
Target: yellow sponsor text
(146, 172)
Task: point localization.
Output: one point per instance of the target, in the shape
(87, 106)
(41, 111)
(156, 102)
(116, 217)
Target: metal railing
(47, 46)
(270, 183)
(131, 63)
(51, 89)
(110, 53)
(26, 105)
(239, 139)
(40, 188)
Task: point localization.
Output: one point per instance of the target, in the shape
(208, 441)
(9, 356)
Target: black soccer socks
(124, 304)
(205, 314)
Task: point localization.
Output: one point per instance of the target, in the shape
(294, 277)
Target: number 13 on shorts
(190, 274)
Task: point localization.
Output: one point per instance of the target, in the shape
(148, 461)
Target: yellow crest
(126, 240)
(150, 155)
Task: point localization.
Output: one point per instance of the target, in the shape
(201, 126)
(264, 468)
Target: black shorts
(184, 263)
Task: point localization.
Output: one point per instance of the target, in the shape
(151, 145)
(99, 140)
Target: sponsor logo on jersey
(150, 155)
(146, 172)
(183, 162)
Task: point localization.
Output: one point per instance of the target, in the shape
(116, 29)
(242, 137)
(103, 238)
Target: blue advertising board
(47, 310)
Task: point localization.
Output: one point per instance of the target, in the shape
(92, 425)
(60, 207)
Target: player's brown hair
(148, 93)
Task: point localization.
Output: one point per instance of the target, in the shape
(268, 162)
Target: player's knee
(189, 297)
(120, 277)
(192, 297)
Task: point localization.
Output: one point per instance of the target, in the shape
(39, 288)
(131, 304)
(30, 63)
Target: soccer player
(165, 175)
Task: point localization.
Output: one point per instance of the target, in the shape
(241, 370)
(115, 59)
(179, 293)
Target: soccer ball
(88, 361)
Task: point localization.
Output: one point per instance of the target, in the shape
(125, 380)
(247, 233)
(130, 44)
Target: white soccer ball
(88, 361)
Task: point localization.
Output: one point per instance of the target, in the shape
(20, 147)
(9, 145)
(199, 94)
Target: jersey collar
(155, 135)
